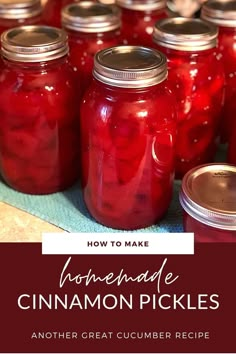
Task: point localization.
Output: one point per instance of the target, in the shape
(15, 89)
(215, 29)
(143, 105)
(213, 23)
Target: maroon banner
(151, 304)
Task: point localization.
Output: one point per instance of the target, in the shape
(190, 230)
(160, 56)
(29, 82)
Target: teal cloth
(68, 211)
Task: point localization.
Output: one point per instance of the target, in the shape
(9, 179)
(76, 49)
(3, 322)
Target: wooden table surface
(19, 226)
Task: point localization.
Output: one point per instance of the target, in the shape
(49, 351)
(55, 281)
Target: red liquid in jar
(223, 15)
(127, 154)
(83, 47)
(19, 13)
(10, 23)
(91, 27)
(39, 130)
(197, 81)
(206, 233)
(227, 47)
(196, 77)
(137, 26)
(52, 12)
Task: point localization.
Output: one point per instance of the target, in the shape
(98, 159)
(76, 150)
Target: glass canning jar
(208, 198)
(52, 11)
(196, 76)
(90, 27)
(19, 12)
(128, 126)
(138, 19)
(38, 111)
(223, 14)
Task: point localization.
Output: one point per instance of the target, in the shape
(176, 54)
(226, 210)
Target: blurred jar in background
(223, 14)
(90, 27)
(39, 123)
(184, 8)
(196, 77)
(128, 126)
(19, 12)
(138, 19)
(52, 11)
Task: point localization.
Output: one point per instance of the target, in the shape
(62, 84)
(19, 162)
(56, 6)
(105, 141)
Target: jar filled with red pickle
(91, 27)
(223, 14)
(196, 77)
(52, 11)
(128, 126)
(19, 12)
(208, 199)
(39, 121)
(138, 19)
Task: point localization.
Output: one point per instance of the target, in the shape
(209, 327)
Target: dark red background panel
(25, 270)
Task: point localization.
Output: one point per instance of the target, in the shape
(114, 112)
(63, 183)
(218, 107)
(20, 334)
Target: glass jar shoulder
(137, 26)
(144, 103)
(6, 23)
(92, 42)
(227, 47)
(226, 37)
(193, 71)
(51, 14)
(30, 93)
(132, 16)
(211, 58)
(41, 76)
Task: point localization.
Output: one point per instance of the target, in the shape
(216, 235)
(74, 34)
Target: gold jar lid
(185, 34)
(91, 17)
(34, 43)
(130, 66)
(19, 9)
(221, 13)
(208, 194)
(141, 5)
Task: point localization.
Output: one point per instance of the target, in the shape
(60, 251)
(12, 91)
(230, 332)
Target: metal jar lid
(185, 34)
(34, 43)
(142, 5)
(19, 9)
(130, 66)
(208, 194)
(91, 17)
(221, 13)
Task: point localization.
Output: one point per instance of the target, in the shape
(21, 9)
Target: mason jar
(52, 11)
(223, 14)
(208, 199)
(196, 77)
(128, 127)
(19, 12)
(138, 19)
(90, 27)
(39, 125)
